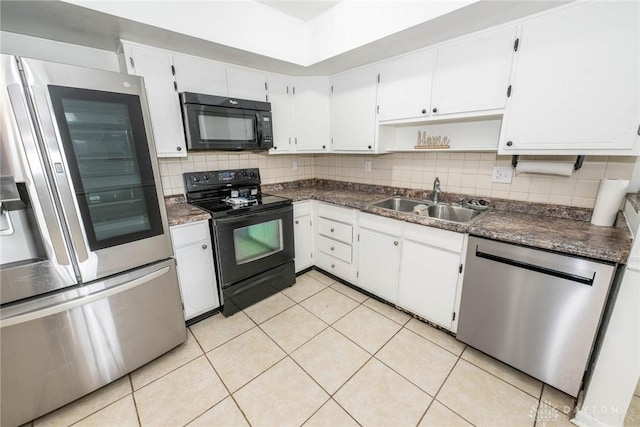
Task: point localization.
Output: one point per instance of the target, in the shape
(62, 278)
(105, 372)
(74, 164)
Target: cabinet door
(404, 91)
(472, 74)
(428, 280)
(164, 104)
(200, 75)
(302, 233)
(311, 103)
(282, 112)
(196, 275)
(379, 262)
(246, 84)
(353, 117)
(576, 84)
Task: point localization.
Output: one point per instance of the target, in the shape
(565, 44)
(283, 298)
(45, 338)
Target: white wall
(49, 50)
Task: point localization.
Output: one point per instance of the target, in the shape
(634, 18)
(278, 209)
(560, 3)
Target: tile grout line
(228, 391)
(133, 397)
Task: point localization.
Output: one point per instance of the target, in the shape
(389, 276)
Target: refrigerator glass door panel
(58, 348)
(106, 239)
(108, 157)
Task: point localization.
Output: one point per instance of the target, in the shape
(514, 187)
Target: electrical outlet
(502, 174)
(294, 165)
(367, 165)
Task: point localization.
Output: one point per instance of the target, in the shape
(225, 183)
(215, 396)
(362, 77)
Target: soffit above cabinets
(259, 35)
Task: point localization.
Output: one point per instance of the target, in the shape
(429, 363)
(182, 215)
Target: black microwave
(223, 123)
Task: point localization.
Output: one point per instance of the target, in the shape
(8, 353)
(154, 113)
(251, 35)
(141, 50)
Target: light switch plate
(502, 174)
(367, 165)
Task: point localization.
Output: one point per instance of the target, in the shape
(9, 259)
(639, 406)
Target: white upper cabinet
(311, 105)
(246, 84)
(404, 91)
(155, 66)
(576, 82)
(282, 111)
(472, 74)
(199, 75)
(353, 112)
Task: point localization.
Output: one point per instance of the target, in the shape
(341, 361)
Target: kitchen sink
(440, 211)
(399, 204)
(452, 213)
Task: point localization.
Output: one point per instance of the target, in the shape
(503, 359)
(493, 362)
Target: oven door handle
(243, 218)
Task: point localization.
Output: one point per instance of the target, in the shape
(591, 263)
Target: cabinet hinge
(175, 86)
(515, 45)
(331, 88)
(358, 274)
(310, 223)
(453, 317)
(132, 62)
(266, 87)
(331, 141)
(460, 269)
(638, 130)
(378, 77)
(287, 90)
(311, 254)
(358, 237)
(294, 90)
(266, 97)
(377, 109)
(173, 70)
(509, 91)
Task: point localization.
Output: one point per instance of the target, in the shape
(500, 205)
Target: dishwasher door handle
(537, 268)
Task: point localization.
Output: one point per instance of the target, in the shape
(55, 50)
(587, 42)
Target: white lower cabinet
(303, 234)
(430, 273)
(413, 266)
(196, 271)
(379, 251)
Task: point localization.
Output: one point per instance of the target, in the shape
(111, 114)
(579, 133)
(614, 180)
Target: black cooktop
(230, 192)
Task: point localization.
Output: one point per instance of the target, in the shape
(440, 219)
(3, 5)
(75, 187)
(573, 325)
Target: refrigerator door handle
(54, 237)
(83, 300)
(61, 179)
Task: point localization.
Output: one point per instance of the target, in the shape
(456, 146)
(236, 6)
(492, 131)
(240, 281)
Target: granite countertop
(634, 199)
(559, 228)
(180, 212)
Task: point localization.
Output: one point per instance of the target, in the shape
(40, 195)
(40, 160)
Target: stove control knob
(243, 173)
(205, 177)
(252, 174)
(195, 179)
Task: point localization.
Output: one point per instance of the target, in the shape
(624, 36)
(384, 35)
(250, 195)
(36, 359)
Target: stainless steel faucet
(436, 190)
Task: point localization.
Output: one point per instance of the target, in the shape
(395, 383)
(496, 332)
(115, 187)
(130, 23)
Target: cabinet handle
(332, 230)
(297, 222)
(204, 246)
(275, 147)
(332, 248)
(424, 111)
(396, 243)
(324, 146)
(369, 147)
(509, 143)
(179, 148)
(435, 110)
(333, 266)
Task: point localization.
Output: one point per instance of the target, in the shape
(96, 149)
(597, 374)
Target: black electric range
(252, 235)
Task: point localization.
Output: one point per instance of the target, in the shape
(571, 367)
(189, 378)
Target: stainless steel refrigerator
(88, 288)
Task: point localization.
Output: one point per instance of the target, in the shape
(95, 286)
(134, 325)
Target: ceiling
(67, 22)
(304, 10)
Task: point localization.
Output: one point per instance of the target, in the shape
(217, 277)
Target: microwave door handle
(258, 133)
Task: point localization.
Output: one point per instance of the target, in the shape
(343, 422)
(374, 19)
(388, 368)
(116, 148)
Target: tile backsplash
(459, 172)
(273, 169)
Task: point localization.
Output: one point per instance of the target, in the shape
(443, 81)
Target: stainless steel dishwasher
(535, 310)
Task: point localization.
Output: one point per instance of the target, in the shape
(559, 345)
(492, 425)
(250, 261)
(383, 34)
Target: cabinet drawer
(189, 233)
(334, 265)
(336, 213)
(335, 230)
(436, 237)
(335, 248)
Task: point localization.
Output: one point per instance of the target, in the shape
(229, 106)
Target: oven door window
(257, 241)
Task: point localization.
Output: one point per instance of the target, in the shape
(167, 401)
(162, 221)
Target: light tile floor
(320, 354)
